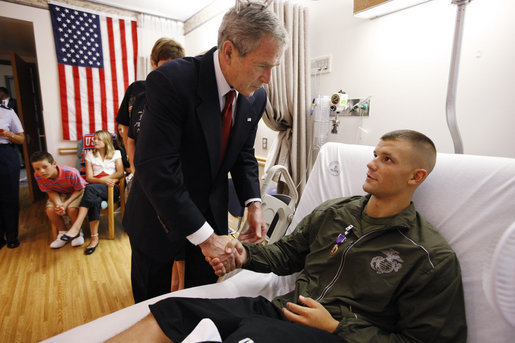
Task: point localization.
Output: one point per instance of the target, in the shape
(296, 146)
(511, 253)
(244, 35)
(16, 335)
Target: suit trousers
(9, 192)
(237, 320)
(151, 277)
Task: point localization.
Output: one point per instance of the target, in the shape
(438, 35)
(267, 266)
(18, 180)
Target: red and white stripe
(90, 97)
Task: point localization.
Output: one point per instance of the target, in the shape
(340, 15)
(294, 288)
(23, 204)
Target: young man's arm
(284, 257)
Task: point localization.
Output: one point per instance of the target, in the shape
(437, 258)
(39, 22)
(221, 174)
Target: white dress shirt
(223, 86)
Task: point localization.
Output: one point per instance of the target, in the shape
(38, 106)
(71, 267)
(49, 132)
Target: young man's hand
(313, 314)
(234, 251)
(214, 247)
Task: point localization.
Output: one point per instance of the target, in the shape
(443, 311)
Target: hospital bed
(470, 199)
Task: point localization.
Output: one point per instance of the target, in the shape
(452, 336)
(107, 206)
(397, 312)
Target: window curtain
(150, 29)
(288, 106)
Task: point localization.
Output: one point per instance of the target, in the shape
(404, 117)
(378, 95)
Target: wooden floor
(44, 292)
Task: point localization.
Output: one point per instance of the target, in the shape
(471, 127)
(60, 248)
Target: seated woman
(103, 168)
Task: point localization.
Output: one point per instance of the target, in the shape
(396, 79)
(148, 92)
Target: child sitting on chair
(103, 169)
(64, 187)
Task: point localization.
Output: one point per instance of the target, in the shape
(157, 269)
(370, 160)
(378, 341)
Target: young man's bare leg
(146, 330)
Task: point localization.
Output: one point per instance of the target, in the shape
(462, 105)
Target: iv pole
(453, 77)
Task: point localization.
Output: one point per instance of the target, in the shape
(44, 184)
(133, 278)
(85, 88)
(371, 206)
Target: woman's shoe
(91, 250)
(67, 238)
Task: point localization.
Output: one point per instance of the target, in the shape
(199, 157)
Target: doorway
(19, 74)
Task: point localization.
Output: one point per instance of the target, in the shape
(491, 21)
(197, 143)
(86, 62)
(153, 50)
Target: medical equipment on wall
(341, 105)
(326, 111)
(320, 113)
(339, 102)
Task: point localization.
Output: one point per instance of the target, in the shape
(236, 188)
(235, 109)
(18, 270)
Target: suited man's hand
(214, 247)
(257, 226)
(235, 249)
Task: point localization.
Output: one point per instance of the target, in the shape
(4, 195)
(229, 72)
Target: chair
(109, 206)
(277, 209)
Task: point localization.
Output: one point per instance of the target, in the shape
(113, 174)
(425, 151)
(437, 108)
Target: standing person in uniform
(6, 99)
(200, 123)
(11, 133)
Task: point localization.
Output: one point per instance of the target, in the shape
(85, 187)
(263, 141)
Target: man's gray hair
(246, 27)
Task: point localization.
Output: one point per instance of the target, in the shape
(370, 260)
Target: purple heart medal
(340, 239)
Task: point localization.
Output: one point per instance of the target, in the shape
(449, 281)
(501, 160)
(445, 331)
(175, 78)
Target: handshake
(225, 253)
(233, 256)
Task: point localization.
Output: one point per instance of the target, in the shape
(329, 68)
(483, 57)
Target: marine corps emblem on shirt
(391, 263)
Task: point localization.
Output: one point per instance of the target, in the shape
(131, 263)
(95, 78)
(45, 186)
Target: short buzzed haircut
(166, 49)
(244, 28)
(41, 156)
(423, 145)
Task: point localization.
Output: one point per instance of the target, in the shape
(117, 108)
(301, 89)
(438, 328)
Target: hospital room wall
(47, 69)
(402, 61)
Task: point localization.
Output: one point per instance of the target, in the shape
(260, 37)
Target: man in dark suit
(179, 196)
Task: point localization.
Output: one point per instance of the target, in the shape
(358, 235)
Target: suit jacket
(179, 182)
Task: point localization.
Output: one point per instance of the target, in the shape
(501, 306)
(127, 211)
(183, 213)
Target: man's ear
(419, 175)
(228, 50)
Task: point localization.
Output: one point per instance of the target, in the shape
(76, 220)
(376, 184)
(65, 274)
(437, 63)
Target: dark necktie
(226, 122)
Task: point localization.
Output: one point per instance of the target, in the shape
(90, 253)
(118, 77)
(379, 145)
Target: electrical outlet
(264, 143)
(321, 65)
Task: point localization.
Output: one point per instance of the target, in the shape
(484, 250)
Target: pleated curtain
(289, 94)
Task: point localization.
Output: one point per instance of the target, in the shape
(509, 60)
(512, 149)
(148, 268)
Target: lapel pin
(249, 120)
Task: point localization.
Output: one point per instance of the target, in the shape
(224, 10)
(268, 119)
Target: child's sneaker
(58, 243)
(77, 242)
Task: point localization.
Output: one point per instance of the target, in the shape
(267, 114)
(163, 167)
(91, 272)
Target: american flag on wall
(96, 56)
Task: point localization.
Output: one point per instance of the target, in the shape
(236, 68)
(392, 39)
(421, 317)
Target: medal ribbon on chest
(340, 239)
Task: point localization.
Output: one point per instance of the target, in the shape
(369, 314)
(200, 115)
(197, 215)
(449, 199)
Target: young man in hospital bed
(373, 270)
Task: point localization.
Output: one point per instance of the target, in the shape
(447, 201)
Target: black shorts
(236, 319)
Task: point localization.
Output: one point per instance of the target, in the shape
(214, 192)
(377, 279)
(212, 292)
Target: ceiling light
(386, 7)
